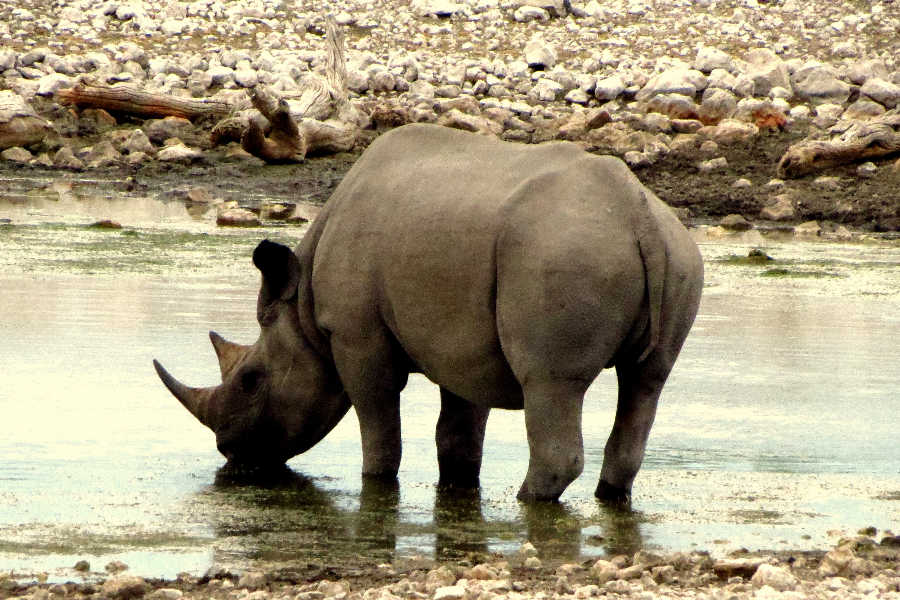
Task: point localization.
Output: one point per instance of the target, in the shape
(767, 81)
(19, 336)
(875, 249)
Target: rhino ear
(280, 277)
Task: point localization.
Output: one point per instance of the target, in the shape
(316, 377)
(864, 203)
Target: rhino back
(412, 240)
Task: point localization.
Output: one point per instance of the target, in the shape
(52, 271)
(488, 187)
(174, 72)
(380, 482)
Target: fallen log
(857, 141)
(133, 101)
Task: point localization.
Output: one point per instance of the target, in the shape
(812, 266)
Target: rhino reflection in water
(510, 275)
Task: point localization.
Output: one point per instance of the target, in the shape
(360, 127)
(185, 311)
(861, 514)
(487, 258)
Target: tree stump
(328, 122)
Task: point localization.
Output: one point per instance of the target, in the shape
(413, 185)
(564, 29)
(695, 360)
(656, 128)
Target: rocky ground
(701, 98)
(859, 567)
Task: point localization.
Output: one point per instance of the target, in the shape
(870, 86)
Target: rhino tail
(653, 254)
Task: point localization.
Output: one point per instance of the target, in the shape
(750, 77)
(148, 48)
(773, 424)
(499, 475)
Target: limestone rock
(451, 592)
(609, 88)
(540, 54)
(782, 210)
(138, 142)
(604, 571)
(674, 106)
(808, 229)
(709, 59)
(160, 130)
(777, 578)
(717, 104)
(881, 91)
(16, 155)
(864, 109)
(819, 85)
(179, 153)
(767, 70)
(438, 8)
(253, 580)
(862, 70)
(125, 588)
(713, 164)
(554, 8)
(730, 130)
(459, 120)
(736, 567)
(66, 159)
(102, 154)
(686, 82)
(240, 217)
(19, 124)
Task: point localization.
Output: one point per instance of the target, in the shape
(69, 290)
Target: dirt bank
(744, 186)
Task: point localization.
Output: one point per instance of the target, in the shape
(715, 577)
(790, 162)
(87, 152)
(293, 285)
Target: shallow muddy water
(777, 426)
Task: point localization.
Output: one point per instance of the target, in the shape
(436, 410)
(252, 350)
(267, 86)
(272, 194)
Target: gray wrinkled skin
(510, 275)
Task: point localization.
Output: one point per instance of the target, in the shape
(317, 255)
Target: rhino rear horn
(280, 278)
(196, 400)
(229, 353)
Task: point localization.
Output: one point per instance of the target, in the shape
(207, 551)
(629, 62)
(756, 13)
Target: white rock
(247, 78)
(172, 27)
(609, 88)
(438, 8)
(686, 82)
(450, 592)
(526, 14)
(776, 578)
(7, 59)
(881, 91)
(709, 59)
(540, 54)
(51, 84)
(179, 154)
(220, 75)
(528, 549)
(766, 70)
(714, 164)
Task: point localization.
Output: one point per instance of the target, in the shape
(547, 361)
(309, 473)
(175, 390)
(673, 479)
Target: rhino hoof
(459, 474)
(610, 494)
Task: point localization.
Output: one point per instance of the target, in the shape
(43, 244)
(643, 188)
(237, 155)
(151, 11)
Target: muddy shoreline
(863, 205)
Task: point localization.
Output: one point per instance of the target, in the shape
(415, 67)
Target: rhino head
(280, 396)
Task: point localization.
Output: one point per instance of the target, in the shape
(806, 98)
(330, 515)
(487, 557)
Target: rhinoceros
(509, 275)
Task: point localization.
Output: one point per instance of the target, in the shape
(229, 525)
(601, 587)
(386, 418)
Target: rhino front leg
(553, 422)
(639, 389)
(460, 440)
(372, 378)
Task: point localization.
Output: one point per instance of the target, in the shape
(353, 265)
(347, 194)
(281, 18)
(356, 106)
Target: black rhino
(508, 274)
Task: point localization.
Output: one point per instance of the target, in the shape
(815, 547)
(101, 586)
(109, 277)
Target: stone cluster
(859, 567)
(639, 78)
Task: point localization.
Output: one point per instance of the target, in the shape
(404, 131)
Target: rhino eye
(250, 381)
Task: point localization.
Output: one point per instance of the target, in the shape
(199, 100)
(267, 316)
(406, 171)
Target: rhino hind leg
(460, 440)
(553, 408)
(641, 383)
(640, 386)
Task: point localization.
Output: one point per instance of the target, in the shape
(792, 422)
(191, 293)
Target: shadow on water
(282, 521)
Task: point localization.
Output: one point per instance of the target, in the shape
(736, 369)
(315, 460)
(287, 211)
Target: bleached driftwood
(320, 119)
(140, 103)
(859, 140)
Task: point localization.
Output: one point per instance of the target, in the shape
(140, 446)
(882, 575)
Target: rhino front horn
(196, 400)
